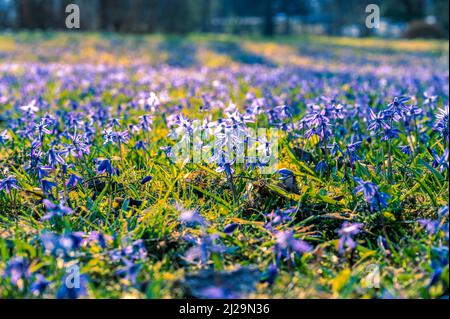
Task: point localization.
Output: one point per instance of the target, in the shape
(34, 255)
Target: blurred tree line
(183, 16)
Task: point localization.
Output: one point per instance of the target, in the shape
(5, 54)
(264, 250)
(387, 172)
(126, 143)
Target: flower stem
(390, 175)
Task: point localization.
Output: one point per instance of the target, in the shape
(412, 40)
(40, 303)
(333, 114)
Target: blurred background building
(399, 18)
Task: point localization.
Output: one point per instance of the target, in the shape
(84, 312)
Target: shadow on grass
(238, 54)
(358, 55)
(180, 53)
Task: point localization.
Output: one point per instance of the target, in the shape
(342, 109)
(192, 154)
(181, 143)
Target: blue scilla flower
(131, 251)
(54, 158)
(439, 262)
(146, 122)
(105, 166)
(17, 268)
(372, 194)
(146, 179)
(73, 180)
(335, 149)
(43, 172)
(429, 99)
(397, 109)
(406, 149)
(47, 186)
(129, 271)
(286, 246)
(390, 134)
(441, 124)
(56, 210)
(351, 151)
(230, 228)
(39, 285)
(271, 274)
(203, 247)
(42, 128)
(140, 145)
(434, 226)
(346, 233)
(4, 137)
(73, 288)
(377, 121)
(8, 184)
(191, 218)
(443, 212)
(321, 167)
(279, 217)
(431, 226)
(63, 246)
(114, 137)
(440, 162)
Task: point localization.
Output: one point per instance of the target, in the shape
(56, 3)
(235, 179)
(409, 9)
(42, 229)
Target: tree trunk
(269, 22)
(206, 15)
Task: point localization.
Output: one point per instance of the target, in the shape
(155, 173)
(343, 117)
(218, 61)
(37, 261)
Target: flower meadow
(343, 195)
